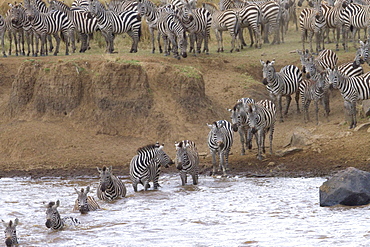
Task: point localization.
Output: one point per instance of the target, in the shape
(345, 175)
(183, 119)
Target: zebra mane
(147, 148)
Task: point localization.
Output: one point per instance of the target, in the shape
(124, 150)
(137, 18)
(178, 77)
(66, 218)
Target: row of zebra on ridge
(342, 17)
(175, 20)
(322, 72)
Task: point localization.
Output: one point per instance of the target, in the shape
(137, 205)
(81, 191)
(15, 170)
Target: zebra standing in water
(112, 23)
(352, 90)
(53, 219)
(110, 187)
(85, 203)
(220, 140)
(261, 119)
(239, 120)
(187, 160)
(145, 167)
(283, 83)
(11, 233)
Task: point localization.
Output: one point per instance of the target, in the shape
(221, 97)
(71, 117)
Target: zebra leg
(272, 128)
(288, 100)
(326, 103)
(151, 31)
(135, 41)
(21, 44)
(83, 38)
(222, 162)
(195, 178)
(297, 101)
(249, 138)
(2, 35)
(317, 111)
(213, 152)
(280, 107)
(57, 40)
(306, 106)
(259, 144)
(51, 46)
(242, 134)
(134, 185)
(219, 41)
(183, 178)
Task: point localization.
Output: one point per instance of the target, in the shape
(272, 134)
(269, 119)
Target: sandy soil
(51, 144)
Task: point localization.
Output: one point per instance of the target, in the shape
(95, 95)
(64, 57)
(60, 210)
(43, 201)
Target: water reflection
(217, 212)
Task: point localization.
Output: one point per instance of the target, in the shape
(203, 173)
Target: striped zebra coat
(261, 120)
(110, 187)
(239, 120)
(187, 160)
(352, 89)
(11, 232)
(145, 167)
(85, 203)
(112, 23)
(53, 219)
(220, 139)
(2, 34)
(283, 83)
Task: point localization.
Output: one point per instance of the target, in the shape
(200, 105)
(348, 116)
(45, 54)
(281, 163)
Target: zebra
(53, 219)
(261, 119)
(14, 24)
(239, 120)
(313, 90)
(352, 90)
(11, 232)
(364, 51)
(110, 187)
(187, 160)
(227, 20)
(84, 25)
(198, 23)
(270, 21)
(354, 68)
(354, 17)
(112, 23)
(251, 17)
(220, 140)
(49, 23)
(283, 83)
(172, 31)
(2, 33)
(145, 166)
(85, 203)
(312, 22)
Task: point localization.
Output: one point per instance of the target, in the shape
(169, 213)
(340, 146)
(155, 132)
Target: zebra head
(333, 77)
(217, 135)
(105, 177)
(31, 12)
(310, 68)
(304, 57)
(94, 8)
(164, 159)
(82, 200)
(238, 116)
(363, 51)
(268, 71)
(181, 154)
(53, 219)
(10, 232)
(15, 13)
(253, 117)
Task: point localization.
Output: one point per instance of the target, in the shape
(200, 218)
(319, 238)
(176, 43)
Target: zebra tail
(237, 26)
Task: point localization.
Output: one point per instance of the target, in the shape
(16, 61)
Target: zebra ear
(262, 62)
(4, 223)
(361, 43)
(273, 61)
(99, 170)
(57, 204)
(87, 190)
(77, 191)
(210, 125)
(16, 221)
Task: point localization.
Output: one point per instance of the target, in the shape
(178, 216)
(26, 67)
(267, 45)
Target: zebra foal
(110, 187)
(85, 203)
(283, 83)
(261, 119)
(11, 233)
(53, 219)
(187, 160)
(145, 166)
(220, 140)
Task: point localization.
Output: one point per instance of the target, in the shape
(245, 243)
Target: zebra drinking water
(85, 203)
(145, 167)
(261, 119)
(11, 233)
(187, 160)
(220, 140)
(110, 187)
(53, 219)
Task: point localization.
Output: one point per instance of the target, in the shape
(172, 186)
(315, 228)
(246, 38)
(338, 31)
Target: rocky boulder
(350, 187)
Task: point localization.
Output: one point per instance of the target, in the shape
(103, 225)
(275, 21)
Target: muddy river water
(231, 211)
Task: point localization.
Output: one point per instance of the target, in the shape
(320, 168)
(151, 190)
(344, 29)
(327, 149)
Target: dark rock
(350, 187)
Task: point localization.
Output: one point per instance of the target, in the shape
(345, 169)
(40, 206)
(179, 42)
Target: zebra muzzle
(234, 127)
(48, 223)
(9, 242)
(264, 81)
(253, 130)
